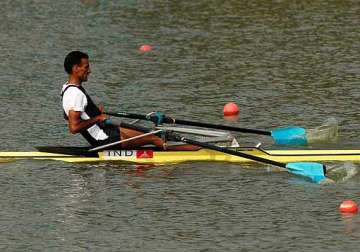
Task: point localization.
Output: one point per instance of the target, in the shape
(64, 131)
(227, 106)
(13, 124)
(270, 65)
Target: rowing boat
(151, 156)
(296, 162)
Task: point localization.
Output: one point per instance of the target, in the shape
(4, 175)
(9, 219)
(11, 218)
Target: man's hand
(76, 124)
(102, 117)
(101, 108)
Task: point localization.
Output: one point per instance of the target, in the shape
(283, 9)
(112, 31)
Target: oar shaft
(222, 127)
(191, 123)
(229, 151)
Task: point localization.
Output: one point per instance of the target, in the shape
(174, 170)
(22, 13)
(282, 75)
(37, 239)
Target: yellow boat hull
(163, 157)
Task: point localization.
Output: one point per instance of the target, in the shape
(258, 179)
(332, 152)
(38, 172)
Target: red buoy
(348, 206)
(231, 109)
(146, 48)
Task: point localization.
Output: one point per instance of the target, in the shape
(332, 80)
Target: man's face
(83, 69)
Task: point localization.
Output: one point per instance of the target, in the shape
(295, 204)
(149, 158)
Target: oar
(315, 171)
(281, 136)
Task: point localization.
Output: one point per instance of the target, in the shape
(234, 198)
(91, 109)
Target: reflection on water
(89, 2)
(350, 223)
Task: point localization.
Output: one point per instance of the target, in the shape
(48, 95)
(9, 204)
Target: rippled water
(283, 62)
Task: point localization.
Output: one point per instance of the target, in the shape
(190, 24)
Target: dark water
(283, 62)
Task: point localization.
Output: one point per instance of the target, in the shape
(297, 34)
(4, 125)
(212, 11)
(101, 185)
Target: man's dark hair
(73, 58)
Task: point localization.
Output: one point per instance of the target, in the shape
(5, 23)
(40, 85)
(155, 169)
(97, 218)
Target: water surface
(283, 62)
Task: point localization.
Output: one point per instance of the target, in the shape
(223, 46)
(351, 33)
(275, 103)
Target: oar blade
(289, 136)
(315, 171)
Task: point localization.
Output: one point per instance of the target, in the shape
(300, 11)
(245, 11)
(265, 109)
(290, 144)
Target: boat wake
(344, 172)
(327, 132)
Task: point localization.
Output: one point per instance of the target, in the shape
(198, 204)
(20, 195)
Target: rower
(86, 118)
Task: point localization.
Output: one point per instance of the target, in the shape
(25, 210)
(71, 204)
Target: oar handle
(127, 115)
(170, 120)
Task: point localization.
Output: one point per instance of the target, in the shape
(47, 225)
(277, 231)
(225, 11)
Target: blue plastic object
(314, 171)
(157, 118)
(289, 136)
(108, 122)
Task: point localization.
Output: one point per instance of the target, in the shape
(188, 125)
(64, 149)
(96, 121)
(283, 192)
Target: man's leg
(152, 139)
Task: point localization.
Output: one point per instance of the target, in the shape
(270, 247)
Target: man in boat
(89, 120)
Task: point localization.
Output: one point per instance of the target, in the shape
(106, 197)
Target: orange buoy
(348, 206)
(146, 48)
(231, 109)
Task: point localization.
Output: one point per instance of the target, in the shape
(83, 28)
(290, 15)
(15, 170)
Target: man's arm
(76, 124)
